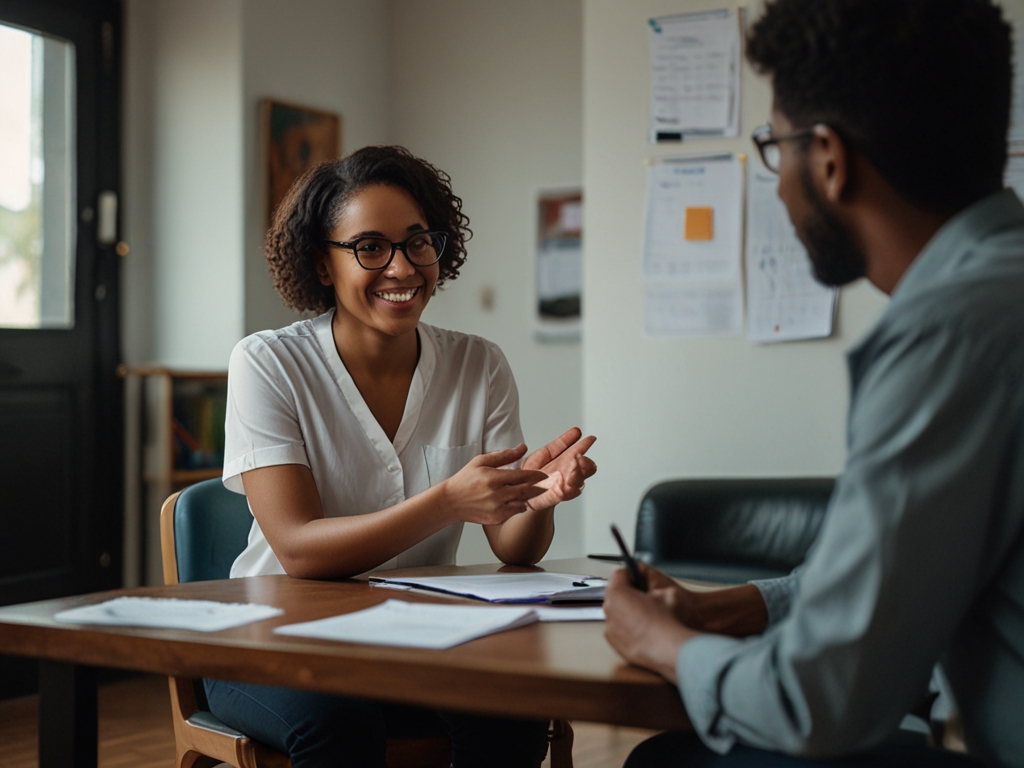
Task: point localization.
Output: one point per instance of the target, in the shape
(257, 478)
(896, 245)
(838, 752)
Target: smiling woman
(364, 439)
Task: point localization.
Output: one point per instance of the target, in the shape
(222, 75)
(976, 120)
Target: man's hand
(642, 626)
(567, 467)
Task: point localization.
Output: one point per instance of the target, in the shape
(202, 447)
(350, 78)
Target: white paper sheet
(695, 75)
(169, 613)
(1014, 174)
(683, 309)
(536, 587)
(414, 625)
(567, 613)
(784, 301)
(1016, 132)
(693, 280)
(697, 181)
(559, 269)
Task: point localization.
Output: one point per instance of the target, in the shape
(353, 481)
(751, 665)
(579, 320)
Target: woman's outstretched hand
(482, 492)
(564, 462)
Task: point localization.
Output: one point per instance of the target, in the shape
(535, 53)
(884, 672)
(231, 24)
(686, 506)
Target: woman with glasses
(364, 439)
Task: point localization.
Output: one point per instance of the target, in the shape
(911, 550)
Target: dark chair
(731, 530)
(202, 530)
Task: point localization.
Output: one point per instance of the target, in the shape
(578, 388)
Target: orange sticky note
(700, 223)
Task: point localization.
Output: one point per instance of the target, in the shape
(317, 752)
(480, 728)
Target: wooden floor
(135, 731)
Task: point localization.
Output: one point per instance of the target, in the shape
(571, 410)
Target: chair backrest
(731, 530)
(210, 527)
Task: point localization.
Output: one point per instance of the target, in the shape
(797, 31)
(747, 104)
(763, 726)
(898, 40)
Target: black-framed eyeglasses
(768, 145)
(421, 249)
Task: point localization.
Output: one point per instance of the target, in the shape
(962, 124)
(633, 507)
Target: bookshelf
(175, 439)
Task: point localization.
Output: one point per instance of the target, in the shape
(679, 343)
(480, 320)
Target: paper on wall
(784, 301)
(692, 246)
(1014, 174)
(695, 75)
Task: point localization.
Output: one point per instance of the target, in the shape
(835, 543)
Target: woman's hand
(482, 492)
(564, 462)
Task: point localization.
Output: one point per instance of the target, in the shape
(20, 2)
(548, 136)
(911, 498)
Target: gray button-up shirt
(921, 555)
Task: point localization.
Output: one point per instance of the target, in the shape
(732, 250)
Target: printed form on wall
(1016, 136)
(1014, 175)
(692, 245)
(695, 75)
(784, 301)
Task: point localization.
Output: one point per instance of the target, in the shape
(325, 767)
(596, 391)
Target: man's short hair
(920, 87)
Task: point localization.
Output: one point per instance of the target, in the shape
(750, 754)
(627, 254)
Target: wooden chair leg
(560, 744)
(424, 752)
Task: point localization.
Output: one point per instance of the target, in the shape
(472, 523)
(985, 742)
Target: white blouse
(292, 401)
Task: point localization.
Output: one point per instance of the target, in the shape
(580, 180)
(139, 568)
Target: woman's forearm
(523, 539)
(309, 546)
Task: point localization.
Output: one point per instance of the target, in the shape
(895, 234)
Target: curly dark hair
(920, 87)
(315, 202)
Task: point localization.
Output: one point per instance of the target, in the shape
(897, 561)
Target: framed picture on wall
(297, 139)
(559, 279)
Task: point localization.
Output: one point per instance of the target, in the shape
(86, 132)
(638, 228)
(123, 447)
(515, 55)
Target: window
(37, 180)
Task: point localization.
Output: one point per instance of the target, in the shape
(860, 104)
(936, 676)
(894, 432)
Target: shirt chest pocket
(444, 462)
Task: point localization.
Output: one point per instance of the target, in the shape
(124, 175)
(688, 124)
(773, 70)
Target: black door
(61, 452)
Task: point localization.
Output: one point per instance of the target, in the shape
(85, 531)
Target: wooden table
(550, 670)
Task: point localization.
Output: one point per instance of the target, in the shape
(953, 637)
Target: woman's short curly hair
(314, 204)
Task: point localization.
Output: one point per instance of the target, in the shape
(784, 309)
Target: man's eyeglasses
(375, 253)
(768, 145)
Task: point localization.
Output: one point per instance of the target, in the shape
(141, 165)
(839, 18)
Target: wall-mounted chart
(784, 301)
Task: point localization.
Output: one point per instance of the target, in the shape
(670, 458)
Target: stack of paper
(168, 613)
(533, 587)
(414, 625)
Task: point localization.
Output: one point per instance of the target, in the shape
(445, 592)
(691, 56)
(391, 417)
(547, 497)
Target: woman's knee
(313, 729)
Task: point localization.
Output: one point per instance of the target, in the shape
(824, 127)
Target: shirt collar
(956, 239)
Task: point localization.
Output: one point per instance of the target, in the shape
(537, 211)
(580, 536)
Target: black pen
(636, 576)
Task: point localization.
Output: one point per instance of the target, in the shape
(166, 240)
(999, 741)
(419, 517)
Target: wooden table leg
(67, 715)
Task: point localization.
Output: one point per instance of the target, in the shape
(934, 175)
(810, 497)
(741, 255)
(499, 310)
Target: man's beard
(835, 257)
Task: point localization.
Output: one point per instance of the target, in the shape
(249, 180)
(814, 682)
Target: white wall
(490, 92)
(669, 408)
(193, 206)
(323, 54)
(183, 192)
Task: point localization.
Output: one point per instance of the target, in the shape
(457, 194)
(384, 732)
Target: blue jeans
(318, 730)
(676, 749)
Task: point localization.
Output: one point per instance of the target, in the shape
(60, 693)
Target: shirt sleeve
(502, 428)
(261, 427)
(906, 544)
(778, 594)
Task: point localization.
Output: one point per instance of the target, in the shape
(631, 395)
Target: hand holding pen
(636, 576)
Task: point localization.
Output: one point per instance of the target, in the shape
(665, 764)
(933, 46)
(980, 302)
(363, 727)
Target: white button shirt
(292, 401)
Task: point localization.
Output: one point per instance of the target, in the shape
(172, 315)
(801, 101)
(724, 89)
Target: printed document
(414, 625)
(695, 75)
(692, 246)
(784, 301)
(535, 587)
(169, 613)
